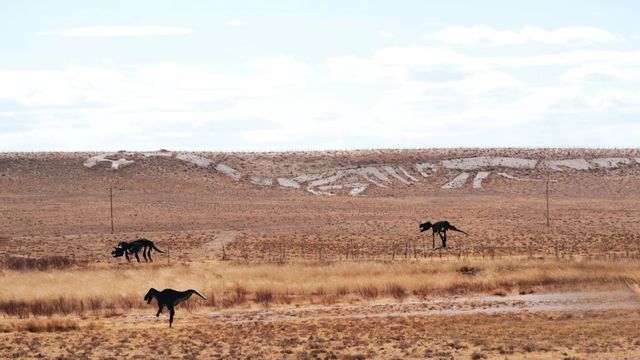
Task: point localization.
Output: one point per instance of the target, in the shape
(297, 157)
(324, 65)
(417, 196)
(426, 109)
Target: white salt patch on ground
(610, 163)
(261, 181)
(576, 164)
(423, 169)
(407, 175)
(158, 154)
(477, 181)
(391, 171)
(477, 163)
(288, 183)
(195, 159)
(229, 171)
(457, 182)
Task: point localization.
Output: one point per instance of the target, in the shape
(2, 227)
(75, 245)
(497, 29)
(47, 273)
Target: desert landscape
(319, 254)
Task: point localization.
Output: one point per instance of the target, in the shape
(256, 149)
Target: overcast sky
(283, 75)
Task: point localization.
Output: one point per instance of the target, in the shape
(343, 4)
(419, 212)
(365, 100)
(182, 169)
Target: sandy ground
(547, 326)
(50, 204)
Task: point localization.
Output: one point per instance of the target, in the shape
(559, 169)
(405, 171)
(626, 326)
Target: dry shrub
(368, 292)
(46, 325)
(238, 297)
(264, 297)
(285, 298)
(342, 291)
(66, 306)
(45, 263)
(469, 270)
(397, 291)
(319, 291)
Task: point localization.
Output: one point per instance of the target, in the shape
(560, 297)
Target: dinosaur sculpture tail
(458, 230)
(197, 293)
(155, 248)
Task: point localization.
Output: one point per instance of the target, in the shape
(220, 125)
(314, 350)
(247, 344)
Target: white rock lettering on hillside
(611, 163)
(477, 181)
(457, 182)
(483, 162)
(229, 171)
(575, 164)
(195, 159)
(115, 164)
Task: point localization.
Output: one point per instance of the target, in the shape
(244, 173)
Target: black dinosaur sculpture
(169, 298)
(128, 248)
(440, 228)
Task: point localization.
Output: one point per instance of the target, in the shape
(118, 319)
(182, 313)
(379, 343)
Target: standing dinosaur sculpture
(440, 228)
(126, 248)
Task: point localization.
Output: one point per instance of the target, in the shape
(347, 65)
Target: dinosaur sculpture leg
(444, 238)
(126, 254)
(159, 310)
(433, 239)
(149, 255)
(144, 254)
(137, 257)
(171, 313)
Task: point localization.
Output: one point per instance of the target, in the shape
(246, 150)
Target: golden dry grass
(99, 289)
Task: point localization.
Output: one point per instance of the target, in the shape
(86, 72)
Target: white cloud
(593, 72)
(162, 86)
(282, 70)
(118, 31)
(236, 23)
(485, 35)
(385, 35)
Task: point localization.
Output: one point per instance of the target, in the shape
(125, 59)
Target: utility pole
(547, 191)
(111, 203)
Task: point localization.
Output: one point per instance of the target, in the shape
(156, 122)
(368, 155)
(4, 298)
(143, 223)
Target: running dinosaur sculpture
(440, 228)
(169, 298)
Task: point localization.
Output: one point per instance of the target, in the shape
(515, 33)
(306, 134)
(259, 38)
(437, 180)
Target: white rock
(576, 164)
(511, 177)
(610, 163)
(158, 154)
(406, 174)
(358, 189)
(391, 171)
(423, 169)
(261, 181)
(477, 181)
(457, 182)
(288, 183)
(115, 164)
(481, 162)
(195, 159)
(229, 171)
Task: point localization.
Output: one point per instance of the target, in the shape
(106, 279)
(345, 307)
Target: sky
(317, 75)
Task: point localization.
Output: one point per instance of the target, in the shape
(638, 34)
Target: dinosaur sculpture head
(150, 294)
(117, 252)
(425, 226)
(120, 249)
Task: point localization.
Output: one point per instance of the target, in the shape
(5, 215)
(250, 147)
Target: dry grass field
(290, 274)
